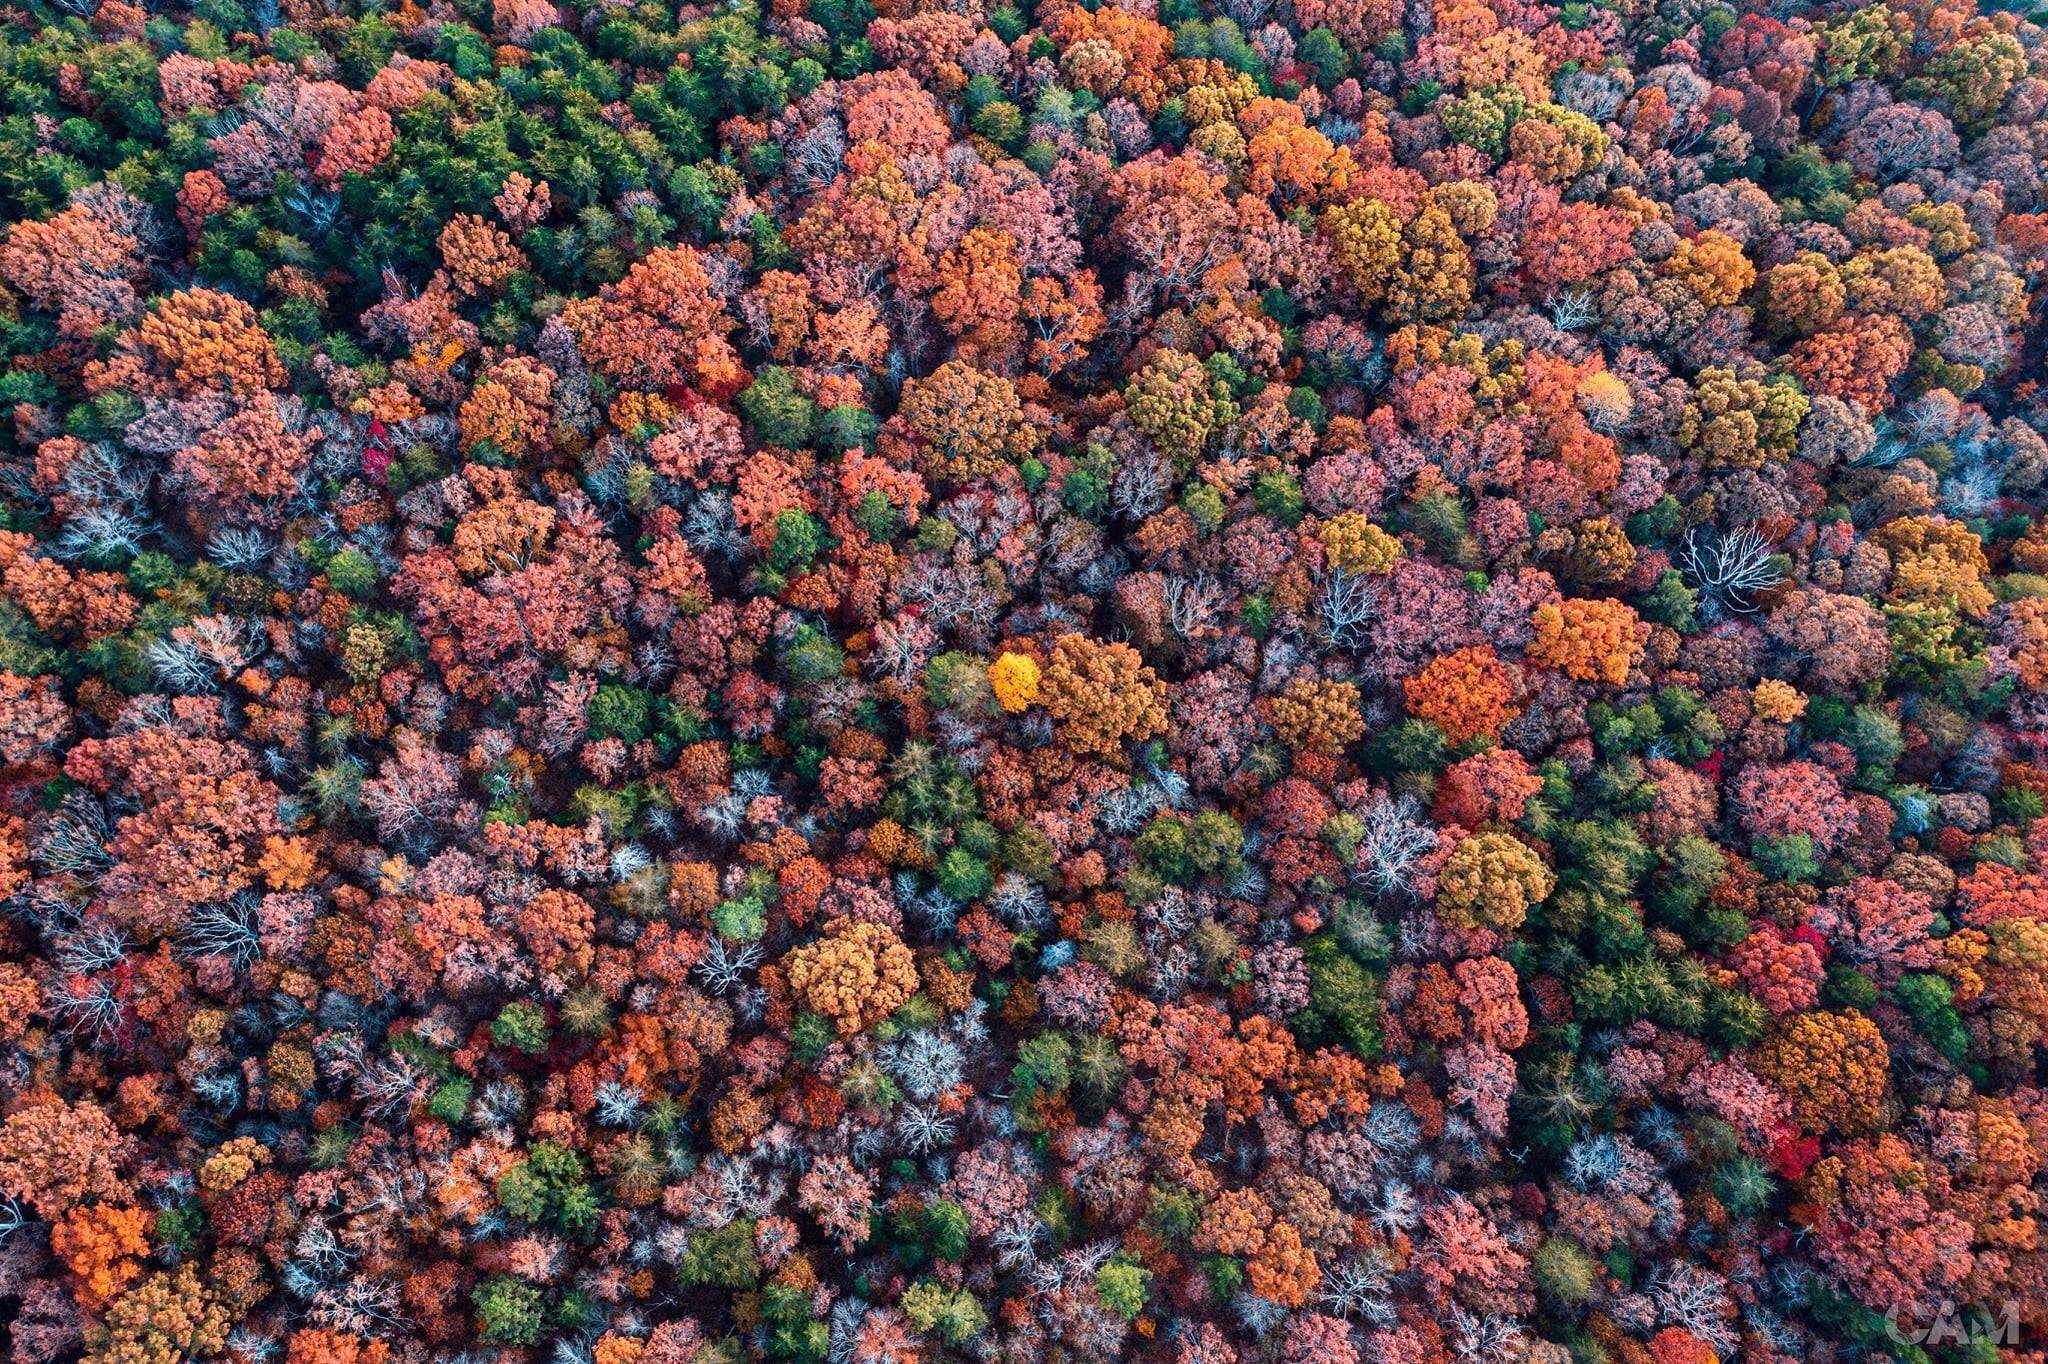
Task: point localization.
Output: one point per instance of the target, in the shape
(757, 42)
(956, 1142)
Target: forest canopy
(902, 681)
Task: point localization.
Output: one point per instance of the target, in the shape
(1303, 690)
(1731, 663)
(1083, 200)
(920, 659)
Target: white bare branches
(1729, 569)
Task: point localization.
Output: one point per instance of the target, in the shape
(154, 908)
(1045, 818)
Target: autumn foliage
(1186, 681)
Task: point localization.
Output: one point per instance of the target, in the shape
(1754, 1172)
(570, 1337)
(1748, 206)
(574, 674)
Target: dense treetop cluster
(901, 681)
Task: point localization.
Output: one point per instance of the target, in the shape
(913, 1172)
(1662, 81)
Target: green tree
(1344, 997)
(1323, 50)
(779, 414)
(521, 1025)
(1123, 1285)
(551, 1186)
(955, 1316)
(508, 1311)
(723, 1258)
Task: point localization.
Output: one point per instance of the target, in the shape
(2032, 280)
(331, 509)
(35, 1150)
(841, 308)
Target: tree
(1318, 1339)
(480, 257)
(1714, 267)
(100, 1246)
(1489, 881)
(1491, 786)
(980, 297)
(1467, 693)
(1591, 640)
(955, 1316)
(1838, 642)
(1857, 360)
(1740, 423)
(207, 339)
(856, 975)
(356, 143)
(508, 1312)
(1343, 997)
(1014, 679)
(1356, 545)
(315, 1346)
(510, 408)
(1063, 318)
(1885, 1230)
(76, 265)
(966, 422)
(1175, 402)
(1833, 1067)
(660, 327)
(1802, 295)
(1784, 972)
(1437, 277)
(247, 465)
(1460, 1252)
(550, 1185)
(54, 1156)
(1102, 695)
(840, 1197)
(1319, 717)
(168, 1317)
(1173, 220)
(1781, 800)
(1571, 243)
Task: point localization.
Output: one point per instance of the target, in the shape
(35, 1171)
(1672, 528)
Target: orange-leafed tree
(101, 1246)
(1317, 717)
(1714, 267)
(856, 975)
(1102, 694)
(478, 254)
(1858, 360)
(169, 1317)
(1834, 1067)
(660, 327)
(54, 1155)
(1468, 693)
(980, 297)
(208, 339)
(965, 422)
(316, 1346)
(1588, 639)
